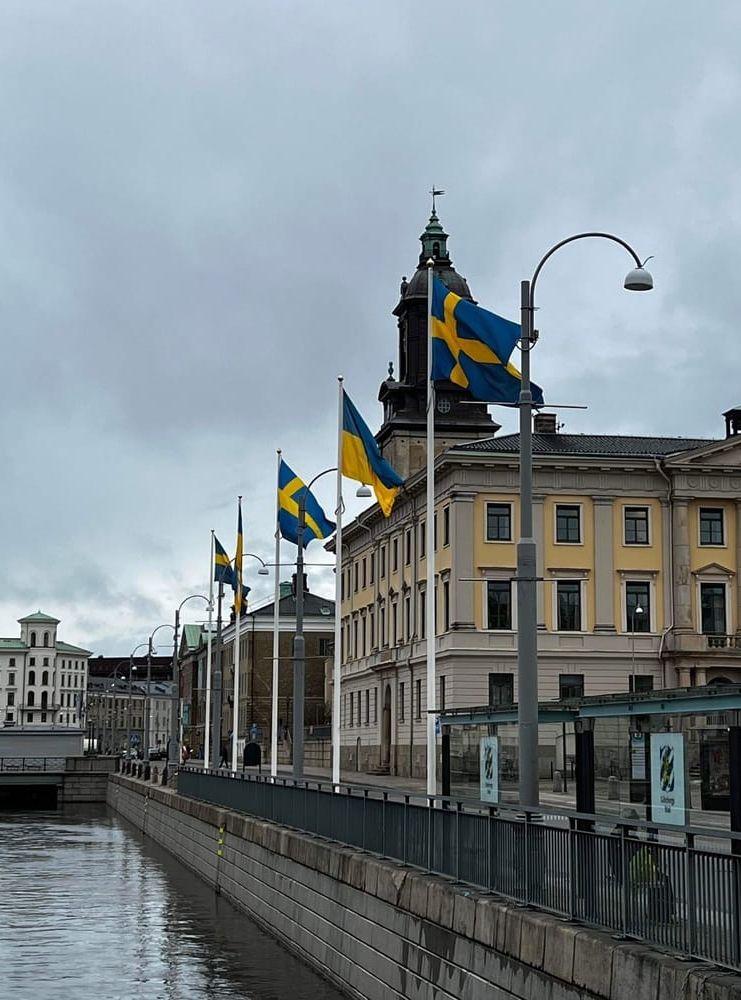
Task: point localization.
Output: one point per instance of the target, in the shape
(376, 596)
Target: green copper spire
(434, 239)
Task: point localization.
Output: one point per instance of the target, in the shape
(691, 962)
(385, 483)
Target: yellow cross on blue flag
(224, 571)
(471, 347)
(362, 459)
(291, 490)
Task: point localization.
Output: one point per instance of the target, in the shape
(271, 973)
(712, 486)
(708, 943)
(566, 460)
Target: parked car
(158, 753)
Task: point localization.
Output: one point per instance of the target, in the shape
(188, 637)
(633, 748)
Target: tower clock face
(443, 405)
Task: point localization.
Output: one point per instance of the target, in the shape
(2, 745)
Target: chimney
(545, 423)
(293, 584)
(285, 589)
(733, 421)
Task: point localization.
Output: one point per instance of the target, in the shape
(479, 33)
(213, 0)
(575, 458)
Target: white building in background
(43, 680)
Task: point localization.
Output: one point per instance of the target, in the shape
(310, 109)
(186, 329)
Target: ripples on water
(90, 910)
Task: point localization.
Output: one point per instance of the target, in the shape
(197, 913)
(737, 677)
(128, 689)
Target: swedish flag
(362, 459)
(471, 347)
(224, 571)
(291, 490)
(239, 595)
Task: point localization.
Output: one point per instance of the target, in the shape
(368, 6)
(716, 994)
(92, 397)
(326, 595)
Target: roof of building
(313, 605)
(40, 617)
(599, 445)
(66, 647)
(12, 644)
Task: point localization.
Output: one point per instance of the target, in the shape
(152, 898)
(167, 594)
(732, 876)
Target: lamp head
(639, 609)
(363, 492)
(263, 571)
(638, 280)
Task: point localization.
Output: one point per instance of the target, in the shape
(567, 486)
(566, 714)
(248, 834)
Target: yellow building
(638, 546)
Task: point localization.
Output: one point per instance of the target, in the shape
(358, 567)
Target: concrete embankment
(380, 930)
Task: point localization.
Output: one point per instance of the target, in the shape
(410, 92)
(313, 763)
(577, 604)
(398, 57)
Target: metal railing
(14, 764)
(649, 882)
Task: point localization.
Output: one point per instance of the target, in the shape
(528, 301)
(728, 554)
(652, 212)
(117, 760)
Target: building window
(408, 547)
(434, 530)
(499, 604)
(11, 661)
(571, 686)
(372, 567)
(43, 716)
(31, 699)
(11, 699)
(33, 638)
(360, 706)
(32, 661)
(643, 682)
(394, 623)
(408, 618)
(636, 525)
(11, 676)
(446, 604)
(422, 614)
(46, 661)
(418, 686)
(382, 626)
(446, 525)
(352, 708)
(713, 608)
(356, 647)
(568, 603)
(711, 526)
(46, 638)
(637, 595)
(383, 562)
(29, 717)
(568, 523)
(394, 555)
(372, 628)
(501, 689)
(375, 706)
(364, 631)
(441, 704)
(45, 677)
(31, 676)
(402, 687)
(365, 574)
(367, 706)
(422, 539)
(326, 646)
(499, 522)
(355, 578)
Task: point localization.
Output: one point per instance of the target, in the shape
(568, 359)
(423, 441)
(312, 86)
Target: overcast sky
(205, 212)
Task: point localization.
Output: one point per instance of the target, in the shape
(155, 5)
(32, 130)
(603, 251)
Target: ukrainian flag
(471, 347)
(239, 595)
(291, 489)
(362, 459)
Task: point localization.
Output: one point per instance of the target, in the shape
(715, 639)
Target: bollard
(613, 788)
(557, 781)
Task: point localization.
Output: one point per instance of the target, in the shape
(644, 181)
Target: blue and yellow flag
(291, 490)
(239, 595)
(471, 347)
(223, 569)
(362, 459)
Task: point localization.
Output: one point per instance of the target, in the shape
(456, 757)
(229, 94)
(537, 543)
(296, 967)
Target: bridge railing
(675, 887)
(13, 764)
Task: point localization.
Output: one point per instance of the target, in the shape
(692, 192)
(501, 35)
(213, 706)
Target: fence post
(383, 824)
(406, 808)
(624, 880)
(527, 857)
(692, 894)
(430, 829)
(489, 850)
(572, 868)
(458, 810)
(365, 806)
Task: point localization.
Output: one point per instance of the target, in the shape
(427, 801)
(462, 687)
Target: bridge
(53, 780)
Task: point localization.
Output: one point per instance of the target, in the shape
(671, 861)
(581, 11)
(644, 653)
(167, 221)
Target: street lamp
(299, 645)
(147, 701)
(174, 744)
(132, 668)
(639, 280)
(637, 610)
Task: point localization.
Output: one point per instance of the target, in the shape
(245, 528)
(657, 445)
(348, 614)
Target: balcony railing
(724, 641)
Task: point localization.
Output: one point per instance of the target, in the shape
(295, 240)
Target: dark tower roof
(434, 242)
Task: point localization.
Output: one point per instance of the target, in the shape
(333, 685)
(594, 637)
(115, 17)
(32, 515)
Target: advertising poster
(667, 778)
(489, 763)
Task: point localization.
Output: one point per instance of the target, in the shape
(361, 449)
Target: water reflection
(88, 908)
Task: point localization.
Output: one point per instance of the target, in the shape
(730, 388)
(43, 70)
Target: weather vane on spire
(435, 192)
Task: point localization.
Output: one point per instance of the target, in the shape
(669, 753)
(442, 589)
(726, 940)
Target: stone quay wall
(382, 931)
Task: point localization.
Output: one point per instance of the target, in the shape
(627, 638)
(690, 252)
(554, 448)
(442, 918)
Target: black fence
(636, 879)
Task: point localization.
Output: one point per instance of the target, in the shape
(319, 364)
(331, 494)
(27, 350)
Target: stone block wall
(382, 931)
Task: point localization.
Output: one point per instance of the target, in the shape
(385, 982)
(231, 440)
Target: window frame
(726, 605)
(509, 683)
(714, 510)
(502, 583)
(498, 503)
(580, 584)
(446, 525)
(579, 507)
(633, 507)
(561, 684)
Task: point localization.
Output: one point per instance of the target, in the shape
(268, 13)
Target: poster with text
(489, 763)
(667, 778)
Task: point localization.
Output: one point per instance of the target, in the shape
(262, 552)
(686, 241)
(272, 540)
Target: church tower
(402, 436)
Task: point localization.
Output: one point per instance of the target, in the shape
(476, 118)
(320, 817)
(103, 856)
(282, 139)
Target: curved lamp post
(132, 668)
(299, 645)
(174, 742)
(147, 700)
(637, 280)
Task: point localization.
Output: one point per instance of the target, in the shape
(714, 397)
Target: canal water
(91, 909)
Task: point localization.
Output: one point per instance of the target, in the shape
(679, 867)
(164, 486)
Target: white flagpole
(337, 672)
(430, 551)
(235, 709)
(276, 635)
(207, 731)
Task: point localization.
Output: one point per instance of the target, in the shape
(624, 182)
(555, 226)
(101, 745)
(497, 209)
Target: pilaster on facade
(682, 577)
(604, 566)
(462, 617)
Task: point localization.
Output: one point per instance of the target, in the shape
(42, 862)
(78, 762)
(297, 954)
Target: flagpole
(207, 731)
(337, 670)
(235, 695)
(430, 551)
(216, 745)
(276, 634)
